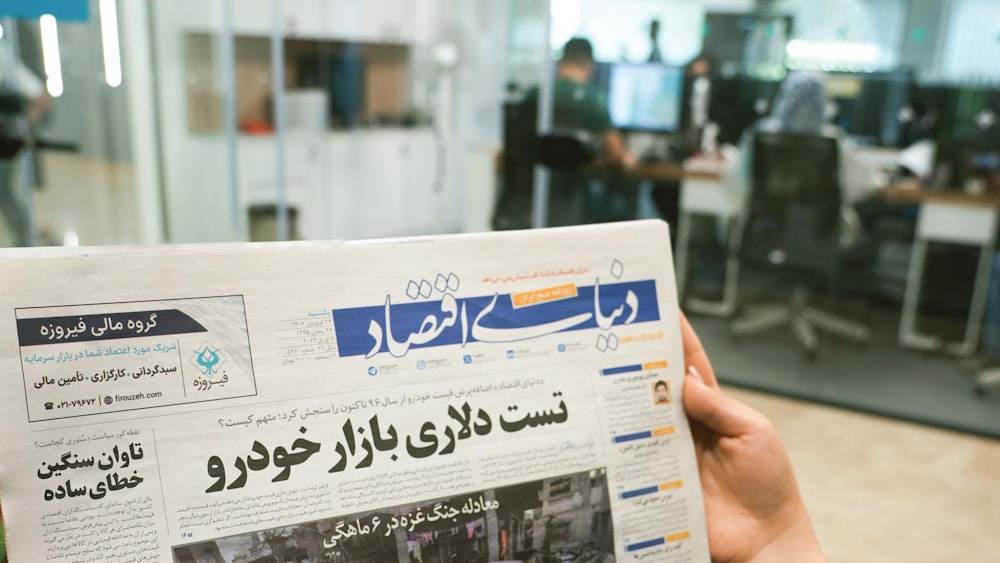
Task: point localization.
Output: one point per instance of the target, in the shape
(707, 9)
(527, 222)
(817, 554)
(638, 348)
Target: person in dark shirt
(577, 106)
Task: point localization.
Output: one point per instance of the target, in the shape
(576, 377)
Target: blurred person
(753, 508)
(695, 103)
(655, 56)
(577, 106)
(800, 107)
(694, 117)
(22, 94)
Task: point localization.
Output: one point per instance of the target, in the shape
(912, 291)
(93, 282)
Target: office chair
(565, 149)
(986, 379)
(14, 133)
(792, 228)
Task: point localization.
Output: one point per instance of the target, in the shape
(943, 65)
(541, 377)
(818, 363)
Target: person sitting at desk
(577, 106)
(800, 107)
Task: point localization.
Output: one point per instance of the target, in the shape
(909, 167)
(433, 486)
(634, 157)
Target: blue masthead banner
(63, 10)
(395, 328)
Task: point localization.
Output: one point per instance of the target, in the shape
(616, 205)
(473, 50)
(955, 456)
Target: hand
(752, 504)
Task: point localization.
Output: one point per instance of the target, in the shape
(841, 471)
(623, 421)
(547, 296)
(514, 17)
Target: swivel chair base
(985, 379)
(804, 319)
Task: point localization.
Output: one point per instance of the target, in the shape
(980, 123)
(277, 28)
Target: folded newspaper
(467, 398)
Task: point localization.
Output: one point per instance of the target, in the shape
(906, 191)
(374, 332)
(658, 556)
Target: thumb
(718, 413)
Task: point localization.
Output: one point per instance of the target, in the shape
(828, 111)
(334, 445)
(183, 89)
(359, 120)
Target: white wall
(619, 30)
(878, 22)
(972, 46)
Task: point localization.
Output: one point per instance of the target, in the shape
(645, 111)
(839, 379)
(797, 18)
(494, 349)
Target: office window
(972, 46)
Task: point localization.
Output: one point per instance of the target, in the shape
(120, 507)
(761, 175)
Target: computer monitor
(645, 97)
(737, 102)
(868, 104)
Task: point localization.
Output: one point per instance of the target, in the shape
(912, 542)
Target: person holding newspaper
(753, 508)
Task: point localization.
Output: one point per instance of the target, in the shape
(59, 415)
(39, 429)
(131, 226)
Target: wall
(620, 30)
(972, 50)
(926, 29)
(878, 22)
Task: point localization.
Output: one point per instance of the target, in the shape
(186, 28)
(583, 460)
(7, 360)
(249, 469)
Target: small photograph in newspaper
(567, 517)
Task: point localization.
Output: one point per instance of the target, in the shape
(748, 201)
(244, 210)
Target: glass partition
(833, 198)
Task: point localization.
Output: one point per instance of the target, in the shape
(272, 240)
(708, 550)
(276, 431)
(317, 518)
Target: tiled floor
(93, 199)
(883, 491)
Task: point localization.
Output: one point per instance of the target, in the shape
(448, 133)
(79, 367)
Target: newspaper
(467, 398)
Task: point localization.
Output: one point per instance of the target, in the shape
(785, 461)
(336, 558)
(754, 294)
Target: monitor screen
(868, 104)
(645, 96)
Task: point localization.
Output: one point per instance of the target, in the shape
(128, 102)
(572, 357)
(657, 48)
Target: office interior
(191, 121)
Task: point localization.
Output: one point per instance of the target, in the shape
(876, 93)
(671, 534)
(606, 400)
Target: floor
(883, 491)
(81, 199)
(879, 377)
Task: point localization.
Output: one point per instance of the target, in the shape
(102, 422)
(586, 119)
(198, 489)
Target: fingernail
(694, 371)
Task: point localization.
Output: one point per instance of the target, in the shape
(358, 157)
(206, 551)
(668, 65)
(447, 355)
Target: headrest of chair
(566, 150)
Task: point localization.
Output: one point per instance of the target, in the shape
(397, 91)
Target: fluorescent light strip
(109, 41)
(50, 55)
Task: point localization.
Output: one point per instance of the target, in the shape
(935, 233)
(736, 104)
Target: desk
(702, 193)
(945, 216)
(952, 217)
(669, 172)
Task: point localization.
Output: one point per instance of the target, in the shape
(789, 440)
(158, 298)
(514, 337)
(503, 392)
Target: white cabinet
(428, 199)
(257, 164)
(384, 184)
(305, 18)
(383, 21)
(352, 185)
(341, 181)
(380, 202)
(253, 17)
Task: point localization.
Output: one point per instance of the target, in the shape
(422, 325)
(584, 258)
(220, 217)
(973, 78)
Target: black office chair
(566, 150)
(792, 227)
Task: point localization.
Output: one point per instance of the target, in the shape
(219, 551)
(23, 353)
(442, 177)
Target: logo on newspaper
(396, 328)
(207, 359)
